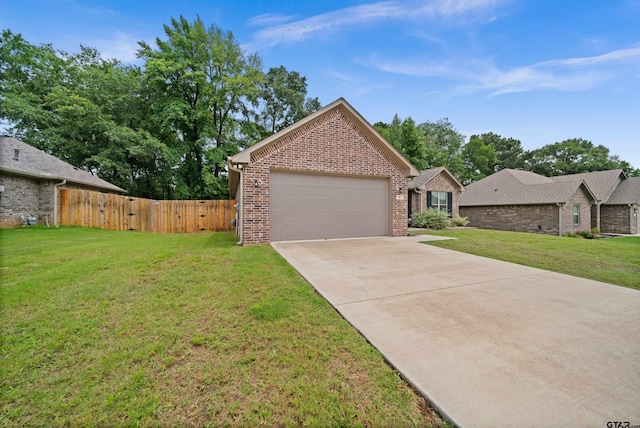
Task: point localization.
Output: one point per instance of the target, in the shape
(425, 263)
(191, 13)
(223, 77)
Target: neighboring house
(517, 200)
(602, 184)
(523, 201)
(434, 188)
(30, 183)
(329, 175)
(620, 213)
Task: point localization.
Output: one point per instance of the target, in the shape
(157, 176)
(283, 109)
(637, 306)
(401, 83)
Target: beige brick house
(434, 188)
(330, 175)
(524, 201)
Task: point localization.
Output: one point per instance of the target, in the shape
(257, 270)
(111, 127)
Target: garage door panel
(316, 206)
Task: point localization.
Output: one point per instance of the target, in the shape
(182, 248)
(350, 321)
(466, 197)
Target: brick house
(434, 188)
(329, 175)
(30, 183)
(620, 213)
(522, 201)
(528, 202)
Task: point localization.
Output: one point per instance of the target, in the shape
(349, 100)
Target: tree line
(433, 144)
(162, 130)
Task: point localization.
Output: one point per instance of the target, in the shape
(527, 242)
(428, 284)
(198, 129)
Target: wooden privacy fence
(115, 212)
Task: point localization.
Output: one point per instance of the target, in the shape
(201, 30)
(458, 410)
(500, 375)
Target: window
(576, 214)
(442, 201)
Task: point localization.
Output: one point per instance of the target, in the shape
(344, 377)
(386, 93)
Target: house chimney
(16, 153)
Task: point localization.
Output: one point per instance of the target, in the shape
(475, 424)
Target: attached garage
(330, 175)
(305, 206)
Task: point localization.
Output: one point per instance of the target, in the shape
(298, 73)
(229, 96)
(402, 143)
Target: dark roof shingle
(33, 162)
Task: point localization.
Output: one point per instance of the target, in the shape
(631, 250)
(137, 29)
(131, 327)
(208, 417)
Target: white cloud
(342, 19)
(122, 47)
(571, 74)
(269, 19)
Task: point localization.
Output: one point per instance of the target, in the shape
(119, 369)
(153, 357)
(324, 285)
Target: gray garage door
(321, 206)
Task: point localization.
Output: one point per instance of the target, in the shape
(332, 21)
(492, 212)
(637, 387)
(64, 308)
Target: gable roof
(601, 183)
(35, 163)
(627, 192)
(516, 187)
(244, 157)
(429, 174)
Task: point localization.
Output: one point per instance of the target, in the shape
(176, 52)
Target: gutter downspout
(56, 189)
(560, 205)
(238, 202)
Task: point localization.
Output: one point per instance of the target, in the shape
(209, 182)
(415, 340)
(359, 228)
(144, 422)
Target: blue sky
(540, 71)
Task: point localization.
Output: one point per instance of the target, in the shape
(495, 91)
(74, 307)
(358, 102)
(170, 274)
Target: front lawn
(104, 328)
(613, 260)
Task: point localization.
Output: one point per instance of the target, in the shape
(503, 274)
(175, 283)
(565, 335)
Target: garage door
(320, 206)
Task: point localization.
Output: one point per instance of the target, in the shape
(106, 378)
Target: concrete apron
(488, 343)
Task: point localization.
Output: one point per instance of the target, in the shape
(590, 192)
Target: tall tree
(572, 156)
(478, 158)
(509, 151)
(444, 145)
(201, 83)
(82, 109)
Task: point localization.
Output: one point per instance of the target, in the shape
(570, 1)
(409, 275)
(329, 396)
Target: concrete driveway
(489, 343)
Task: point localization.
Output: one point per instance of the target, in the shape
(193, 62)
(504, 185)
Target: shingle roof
(601, 183)
(516, 187)
(429, 174)
(627, 192)
(35, 163)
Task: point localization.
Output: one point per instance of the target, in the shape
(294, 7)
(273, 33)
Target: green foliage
(431, 218)
(458, 221)
(586, 234)
(479, 158)
(163, 131)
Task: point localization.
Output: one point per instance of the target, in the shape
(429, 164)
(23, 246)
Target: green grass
(615, 261)
(103, 328)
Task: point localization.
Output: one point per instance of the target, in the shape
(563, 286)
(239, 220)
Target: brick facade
(330, 144)
(618, 219)
(441, 183)
(531, 218)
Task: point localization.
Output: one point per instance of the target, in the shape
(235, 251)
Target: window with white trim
(576, 214)
(439, 200)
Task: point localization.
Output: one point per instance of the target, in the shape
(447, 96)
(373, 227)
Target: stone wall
(331, 144)
(21, 196)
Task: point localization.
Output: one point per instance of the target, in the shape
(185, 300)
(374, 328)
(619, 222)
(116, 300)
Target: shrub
(586, 234)
(430, 218)
(458, 221)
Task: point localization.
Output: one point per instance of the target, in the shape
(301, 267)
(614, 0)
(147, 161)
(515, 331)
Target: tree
(82, 109)
(444, 144)
(571, 156)
(406, 138)
(201, 84)
(478, 158)
(509, 151)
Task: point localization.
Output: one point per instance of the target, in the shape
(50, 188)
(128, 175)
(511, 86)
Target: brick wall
(515, 218)
(580, 198)
(531, 218)
(440, 183)
(616, 219)
(331, 144)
